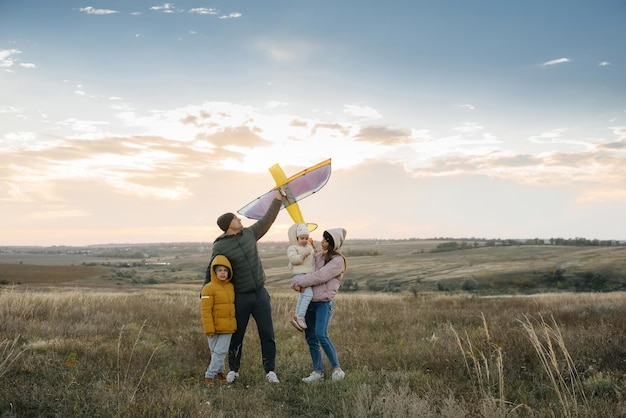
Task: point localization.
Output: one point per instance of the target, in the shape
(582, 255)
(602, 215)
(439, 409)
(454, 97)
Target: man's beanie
(224, 221)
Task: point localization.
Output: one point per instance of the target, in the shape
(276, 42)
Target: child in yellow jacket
(217, 307)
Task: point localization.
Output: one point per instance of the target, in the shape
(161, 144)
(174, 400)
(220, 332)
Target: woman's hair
(331, 251)
(329, 255)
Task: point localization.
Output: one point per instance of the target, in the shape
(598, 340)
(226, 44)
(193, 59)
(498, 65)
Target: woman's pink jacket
(326, 278)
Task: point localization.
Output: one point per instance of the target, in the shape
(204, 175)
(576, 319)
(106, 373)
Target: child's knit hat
(302, 229)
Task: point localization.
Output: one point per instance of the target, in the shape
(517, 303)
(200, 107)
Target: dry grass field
(129, 343)
(141, 352)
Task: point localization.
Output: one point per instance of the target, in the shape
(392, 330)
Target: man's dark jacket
(242, 252)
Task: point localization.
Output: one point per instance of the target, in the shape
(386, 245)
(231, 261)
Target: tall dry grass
(110, 353)
(486, 368)
(558, 364)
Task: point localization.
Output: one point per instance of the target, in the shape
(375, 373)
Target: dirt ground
(29, 274)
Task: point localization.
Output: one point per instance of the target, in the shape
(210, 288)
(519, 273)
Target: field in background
(32, 274)
(378, 266)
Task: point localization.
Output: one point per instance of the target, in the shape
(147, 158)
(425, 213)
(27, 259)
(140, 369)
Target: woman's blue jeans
(317, 320)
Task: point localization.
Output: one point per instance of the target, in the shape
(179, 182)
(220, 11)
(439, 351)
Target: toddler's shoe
(296, 325)
(301, 321)
(221, 378)
(209, 381)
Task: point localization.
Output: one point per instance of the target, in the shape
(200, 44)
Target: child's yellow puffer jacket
(217, 303)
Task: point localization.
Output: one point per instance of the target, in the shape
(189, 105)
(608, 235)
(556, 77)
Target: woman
(330, 265)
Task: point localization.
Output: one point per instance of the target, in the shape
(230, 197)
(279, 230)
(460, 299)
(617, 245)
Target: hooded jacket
(217, 301)
(243, 253)
(326, 278)
(298, 263)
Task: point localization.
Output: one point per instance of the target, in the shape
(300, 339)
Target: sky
(141, 121)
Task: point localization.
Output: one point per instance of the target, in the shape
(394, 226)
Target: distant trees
(584, 242)
(464, 244)
(454, 245)
(349, 285)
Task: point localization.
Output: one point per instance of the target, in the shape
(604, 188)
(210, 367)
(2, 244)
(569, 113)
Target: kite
(293, 189)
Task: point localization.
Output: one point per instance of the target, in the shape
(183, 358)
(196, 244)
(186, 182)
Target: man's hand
(282, 194)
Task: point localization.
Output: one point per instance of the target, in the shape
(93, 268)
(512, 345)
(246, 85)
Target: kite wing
(295, 188)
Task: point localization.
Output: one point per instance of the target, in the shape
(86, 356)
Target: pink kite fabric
(299, 186)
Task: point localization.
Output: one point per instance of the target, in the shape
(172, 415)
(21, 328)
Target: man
(239, 245)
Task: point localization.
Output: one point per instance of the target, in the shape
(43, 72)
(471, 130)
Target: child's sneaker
(314, 377)
(221, 378)
(338, 374)
(301, 321)
(209, 381)
(296, 325)
(231, 376)
(272, 378)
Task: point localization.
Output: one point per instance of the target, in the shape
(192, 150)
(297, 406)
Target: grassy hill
(373, 265)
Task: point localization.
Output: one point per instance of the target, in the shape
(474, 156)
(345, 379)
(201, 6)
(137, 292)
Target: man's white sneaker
(314, 377)
(272, 378)
(338, 374)
(231, 376)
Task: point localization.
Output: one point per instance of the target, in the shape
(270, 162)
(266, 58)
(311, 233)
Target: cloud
(9, 58)
(384, 135)
(604, 63)
(616, 145)
(233, 15)
(558, 137)
(273, 104)
(548, 137)
(619, 131)
(84, 126)
(203, 11)
(10, 109)
(6, 59)
(177, 146)
(364, 112)
(141, 166)
(165, 8)
(468, 128)
(555, 62)
(237, 138)
(92, 11)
